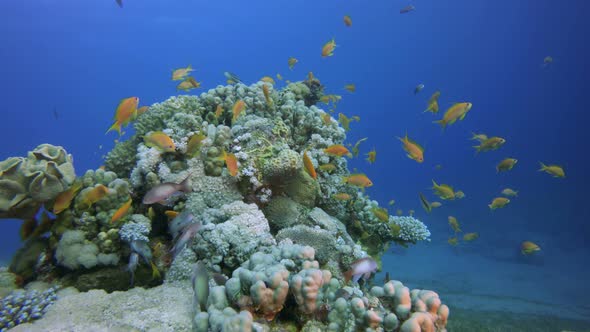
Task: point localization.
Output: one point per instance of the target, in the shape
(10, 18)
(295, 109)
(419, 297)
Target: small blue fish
(231, 77)
(407, 9)
(418, 88)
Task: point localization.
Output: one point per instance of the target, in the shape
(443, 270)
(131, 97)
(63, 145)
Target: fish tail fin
(185, 185)
(347, 276)
(491, 206)
(155, 271)
(442, 123)
(543, 166)
(477, 148)
(116, 126)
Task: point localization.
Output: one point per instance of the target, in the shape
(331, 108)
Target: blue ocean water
(77, 59)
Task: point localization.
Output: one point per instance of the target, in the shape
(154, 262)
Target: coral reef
(260, 212)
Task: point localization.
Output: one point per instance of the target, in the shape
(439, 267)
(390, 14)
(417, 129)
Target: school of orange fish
(128, 110)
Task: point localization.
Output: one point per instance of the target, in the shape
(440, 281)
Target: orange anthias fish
(122, 211)
(433, 103)
(160, 141)
(327, 168)
(341, 196)
(456, 112)
(328, 48)
(171, 214)
(309, 166)
(94, 195)
(347, 21)
(193, 147)
(266, 95)
(142, 110)
(337, 150)
(268, 79)
(125, 113)
(292, 62)
(372, 156)
(414, 150)
(528, 247)
(326, 118)
(350, 88)
(181, 73)
(231, 162)
(358, 180)
(218, 111)
(64, 199)
(188, 84)
(237, 110)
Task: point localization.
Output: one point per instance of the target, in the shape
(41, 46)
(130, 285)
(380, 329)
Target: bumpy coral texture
(27, 183)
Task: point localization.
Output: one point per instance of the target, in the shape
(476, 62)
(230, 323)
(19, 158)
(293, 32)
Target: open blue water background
(81, 57)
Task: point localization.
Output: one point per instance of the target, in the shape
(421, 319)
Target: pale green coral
(26, 183)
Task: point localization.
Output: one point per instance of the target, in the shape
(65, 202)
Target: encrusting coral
(250, 194)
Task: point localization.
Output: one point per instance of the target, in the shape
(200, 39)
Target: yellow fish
(268, 79)
(371, 156)
(350, 88)
(181, 73)
(327, 168)
(122, 211)
(328, 48)
(292, 62)
(459, 194)
(433, 103)
(344, 121)
(435, 205)
(556, 171)
(193, 146)
(399, 212)
(160, 141)
(64, 199)
(391, 202)
(347, 21)
(470, 236)
(279, 77)
(237, 110)
(125, 113)
(142, 110)
(492, 143)
(454, 224)
(444, 191)
(509, 192)
(479, 137)
(453, 241)
(498, 203)
(326, 118)
(355, 148)
(188, 84)
(358, 180)
(506, 165)
(414, 150)
(528, 247)
(456, 112)
(381, 214)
